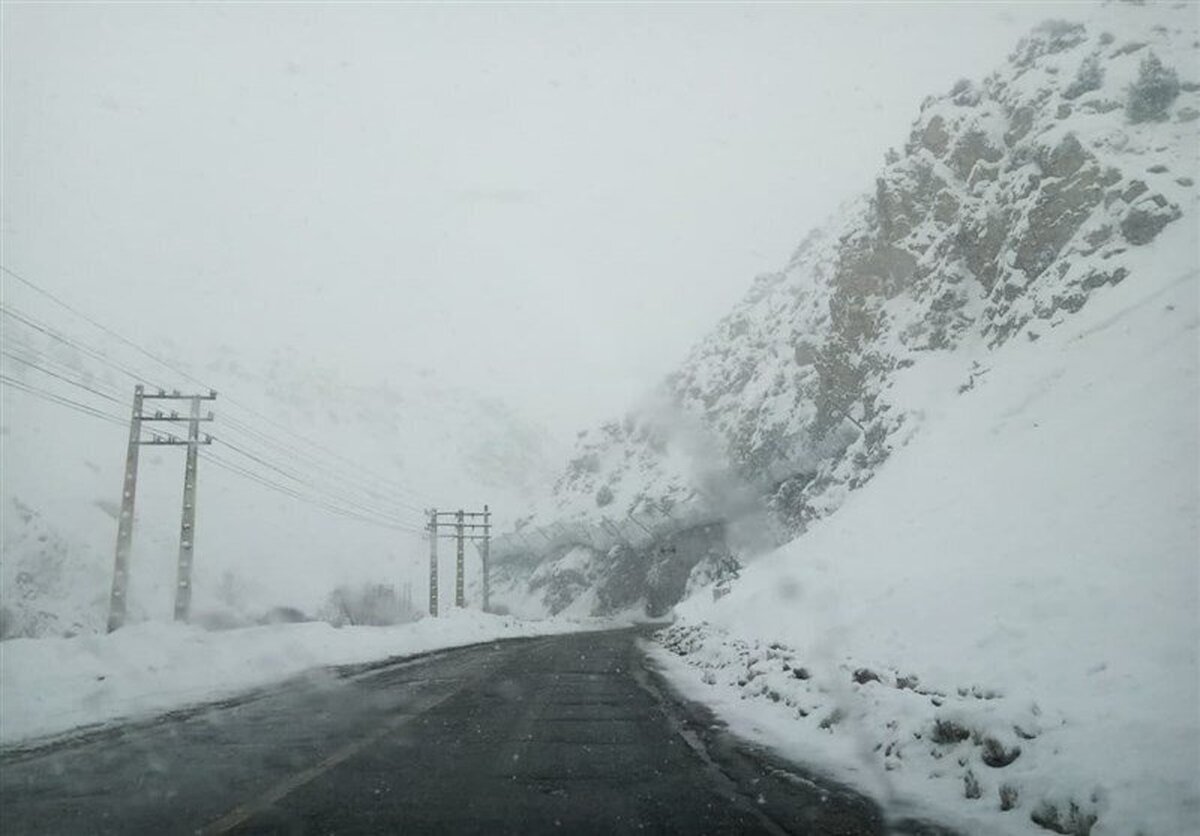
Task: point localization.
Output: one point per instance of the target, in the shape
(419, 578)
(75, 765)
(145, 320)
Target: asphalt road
(566, 734)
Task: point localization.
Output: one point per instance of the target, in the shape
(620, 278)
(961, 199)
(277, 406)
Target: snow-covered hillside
(384, 450)
(926, 501)
(1020, 581)
(1016, 202)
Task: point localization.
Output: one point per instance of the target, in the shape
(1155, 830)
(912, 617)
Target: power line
(57, 300)
(360, 514)
(59, 399)
(58, 376)
(291, 475)
(370, 493)
(328, 470)
(26, 351)
(275, 486)
(96, 354)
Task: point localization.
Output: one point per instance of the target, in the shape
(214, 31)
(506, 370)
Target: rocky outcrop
(1014, 200)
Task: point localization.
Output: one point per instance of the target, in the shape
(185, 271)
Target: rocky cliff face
(1013, 202)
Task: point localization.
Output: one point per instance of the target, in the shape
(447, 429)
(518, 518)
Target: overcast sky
(548, 203)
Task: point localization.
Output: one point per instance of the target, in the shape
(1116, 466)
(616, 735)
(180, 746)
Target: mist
(544, 204)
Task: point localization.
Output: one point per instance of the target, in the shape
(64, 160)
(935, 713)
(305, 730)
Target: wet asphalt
(568, 734)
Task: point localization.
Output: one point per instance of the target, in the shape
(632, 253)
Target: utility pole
(460, 598)
(120, 582)
(433, 562)
(460, 537)
(187, 525)
(486, 554)
(183, 591)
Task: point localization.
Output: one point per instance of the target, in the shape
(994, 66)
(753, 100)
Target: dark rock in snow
(971, 788)
(1009, 796)
(946, 732)
(864, 675)
(1143, 222)
(996, 755)
(1070, 822)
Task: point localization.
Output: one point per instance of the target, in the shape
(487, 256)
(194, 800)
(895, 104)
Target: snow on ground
(53, 685)
(1007, 615)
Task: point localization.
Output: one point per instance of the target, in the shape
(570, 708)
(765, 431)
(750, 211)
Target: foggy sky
(547, 203)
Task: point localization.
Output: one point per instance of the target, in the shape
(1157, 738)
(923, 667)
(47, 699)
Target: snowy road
(566, 732)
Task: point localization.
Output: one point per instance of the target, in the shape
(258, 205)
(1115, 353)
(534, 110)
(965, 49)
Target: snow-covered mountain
(1016, 201)
(384, 450)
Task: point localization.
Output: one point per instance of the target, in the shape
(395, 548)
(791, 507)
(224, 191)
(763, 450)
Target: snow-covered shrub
(370, 604)
(1089, 77)
(1153, 92)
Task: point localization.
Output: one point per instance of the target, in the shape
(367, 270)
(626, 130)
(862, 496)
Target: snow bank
(1023, 572)
(49, 686)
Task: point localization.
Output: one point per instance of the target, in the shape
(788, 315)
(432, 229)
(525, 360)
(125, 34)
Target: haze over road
(567, 733)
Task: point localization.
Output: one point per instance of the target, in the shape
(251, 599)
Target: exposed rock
(947, 732)
(1070, 822)
(1061, 208)
(971, 787)
(832, 719)
(1019, 124)
(864, 675)
(996, 755)
(1066, 158)
(934, 137)
(1009, 797)
(972, 147)
(1144, 221)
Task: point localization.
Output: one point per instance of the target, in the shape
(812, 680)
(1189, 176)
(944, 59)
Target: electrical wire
(61, 377)
(359, 514)
(31, 322)
(295, 455)
(59, 399)
(126, 341)
(293, 476)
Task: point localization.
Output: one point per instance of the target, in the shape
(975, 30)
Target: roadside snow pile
(1002, 626)
(50, 686)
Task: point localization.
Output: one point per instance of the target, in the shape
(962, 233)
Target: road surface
(566, 734)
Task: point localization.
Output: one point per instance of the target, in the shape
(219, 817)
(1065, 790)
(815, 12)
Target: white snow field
(1006, 615)
(54, 685)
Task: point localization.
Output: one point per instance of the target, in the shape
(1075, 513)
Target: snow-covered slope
(1015, 204)
(1024, 574)
(257, 549)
